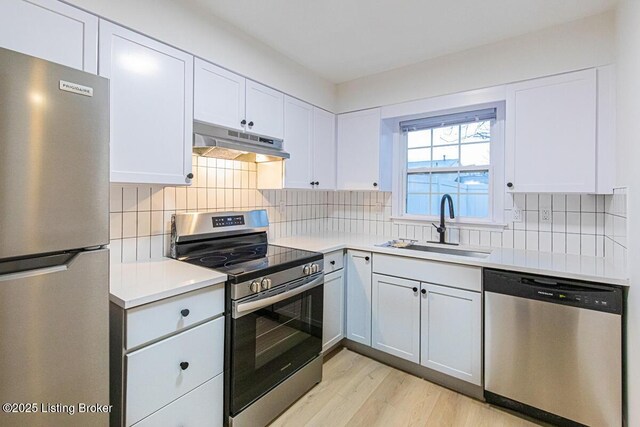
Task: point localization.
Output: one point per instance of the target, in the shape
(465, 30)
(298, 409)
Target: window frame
(495, 216)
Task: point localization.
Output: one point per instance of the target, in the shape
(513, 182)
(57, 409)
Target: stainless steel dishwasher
(553, 348)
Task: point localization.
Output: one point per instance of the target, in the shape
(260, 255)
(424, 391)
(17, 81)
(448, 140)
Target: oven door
(272, 336)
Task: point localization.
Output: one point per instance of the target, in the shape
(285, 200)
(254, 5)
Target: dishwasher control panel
(587, 295)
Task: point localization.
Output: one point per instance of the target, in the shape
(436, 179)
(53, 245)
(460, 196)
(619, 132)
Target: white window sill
(466, 223)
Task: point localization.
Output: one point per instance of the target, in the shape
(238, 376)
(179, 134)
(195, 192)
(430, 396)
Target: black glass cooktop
(248, 259)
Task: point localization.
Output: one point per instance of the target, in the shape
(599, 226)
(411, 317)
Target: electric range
(274, 304)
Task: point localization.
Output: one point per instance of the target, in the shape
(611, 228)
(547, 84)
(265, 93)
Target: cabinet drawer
(333, 261)
(440, 273)
(199, 407)
(158, 319)
(155, 377)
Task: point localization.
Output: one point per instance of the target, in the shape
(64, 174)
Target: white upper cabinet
(324, 149)
(50, 30)
(226, 99)
(151, 107)
(219, 96)
(298, 141)
(264, 110)
(551, 139)
(364, 159)
(396, 317)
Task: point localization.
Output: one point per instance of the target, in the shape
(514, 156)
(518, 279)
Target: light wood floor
(358, 391)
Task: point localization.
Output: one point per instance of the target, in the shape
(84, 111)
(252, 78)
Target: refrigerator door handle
(33, 273)
(39, 271)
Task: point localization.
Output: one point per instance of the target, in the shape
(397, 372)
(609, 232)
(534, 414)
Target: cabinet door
(333, 311)
(359, 297)
(151, 107)
(551, 134)
(219, 96)
(396, 317)
(451, 327)
(359, 150)
(324, 149)
(50, 30)
(265, 109)
(298, 130)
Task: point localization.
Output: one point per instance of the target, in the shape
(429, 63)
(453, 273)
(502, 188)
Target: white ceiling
(345, 39)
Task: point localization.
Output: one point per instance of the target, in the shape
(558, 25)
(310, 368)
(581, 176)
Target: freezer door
(54, 338)
(54, 157)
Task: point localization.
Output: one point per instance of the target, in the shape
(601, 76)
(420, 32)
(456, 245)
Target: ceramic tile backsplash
(615, 226)
(140, 215)
(573, 224)
(550, 223)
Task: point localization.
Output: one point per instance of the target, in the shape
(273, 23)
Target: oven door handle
(243, 308)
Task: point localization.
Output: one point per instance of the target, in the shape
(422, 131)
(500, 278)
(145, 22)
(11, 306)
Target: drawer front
(155, 377)
(199, 407)
(152, 321)
(439, 273)
(333, 261)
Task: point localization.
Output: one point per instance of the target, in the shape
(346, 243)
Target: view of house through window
(449, 155)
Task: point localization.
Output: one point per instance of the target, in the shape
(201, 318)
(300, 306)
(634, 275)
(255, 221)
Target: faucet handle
(440, 229)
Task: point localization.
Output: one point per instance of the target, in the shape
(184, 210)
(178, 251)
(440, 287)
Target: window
(449, 155)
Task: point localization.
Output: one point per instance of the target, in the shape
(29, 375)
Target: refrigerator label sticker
(76, 88)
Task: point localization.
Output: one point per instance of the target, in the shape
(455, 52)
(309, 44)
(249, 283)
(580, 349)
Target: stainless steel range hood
(221, 143)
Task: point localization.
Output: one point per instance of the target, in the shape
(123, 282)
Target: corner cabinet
(559, 130)
(451, 332)
(396, 319)
(359, 297)
(151, 107)
(364, 157)
(50, 30)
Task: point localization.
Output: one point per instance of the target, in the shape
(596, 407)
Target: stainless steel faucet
(442, 228)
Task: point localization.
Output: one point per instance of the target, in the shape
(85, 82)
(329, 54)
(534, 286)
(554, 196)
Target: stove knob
(255, 286)
(315, 268)
(306, 270)
(266, 284)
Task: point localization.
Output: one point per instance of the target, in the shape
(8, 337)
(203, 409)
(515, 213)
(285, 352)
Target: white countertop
(136, 283)
(595, 269)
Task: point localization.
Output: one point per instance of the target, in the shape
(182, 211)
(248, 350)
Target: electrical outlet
(282, 206)
(378, 207)
(545, 215)
(517, 215)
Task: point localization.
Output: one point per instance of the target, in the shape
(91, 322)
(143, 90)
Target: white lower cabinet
(396, 320)
(200, 407)
(333, 309)
(162, 372)
(359, 296)
(451, 331)
(171, 373)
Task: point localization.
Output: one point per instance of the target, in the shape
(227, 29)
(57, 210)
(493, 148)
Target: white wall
(628, 139)
(580, 44)
(199, 32)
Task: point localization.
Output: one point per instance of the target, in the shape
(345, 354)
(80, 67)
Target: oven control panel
(227, 221)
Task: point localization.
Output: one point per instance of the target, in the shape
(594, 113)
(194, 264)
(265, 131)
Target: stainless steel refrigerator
(54, 268)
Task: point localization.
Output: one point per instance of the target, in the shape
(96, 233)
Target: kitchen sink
(405, 244)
